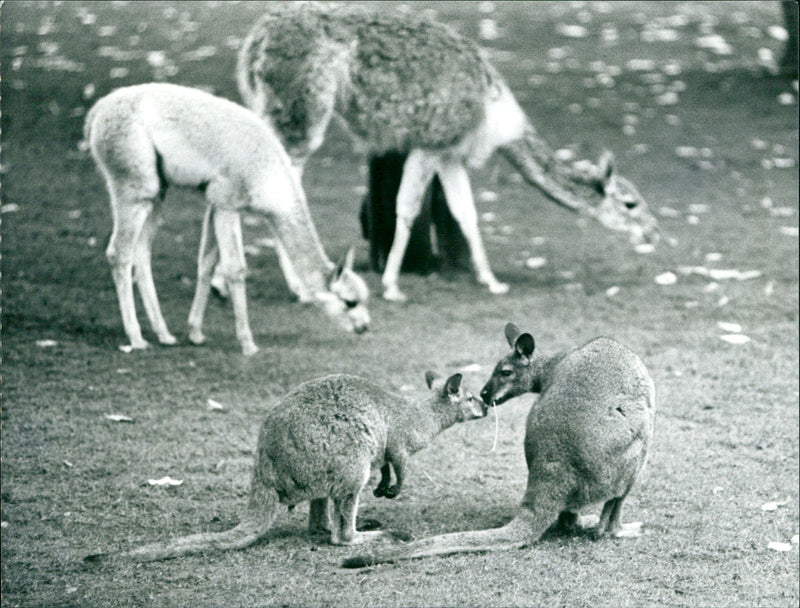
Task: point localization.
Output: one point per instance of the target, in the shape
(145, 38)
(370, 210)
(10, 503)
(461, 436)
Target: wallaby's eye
(351, 303)
(506, 373)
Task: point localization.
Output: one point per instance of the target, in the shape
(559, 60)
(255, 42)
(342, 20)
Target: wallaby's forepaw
(380, 490)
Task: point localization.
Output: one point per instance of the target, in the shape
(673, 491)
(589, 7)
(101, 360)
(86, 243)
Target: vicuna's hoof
(249, 349)
(129, 348)
(393, 294)
(168, 340)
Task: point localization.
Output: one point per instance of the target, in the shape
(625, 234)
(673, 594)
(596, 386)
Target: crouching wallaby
(321, 442)
(586, 441)
(147, 136)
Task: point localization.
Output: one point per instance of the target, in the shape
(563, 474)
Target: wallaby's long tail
(243, 535)
(519, 532)
(535, 161)
(261, 513)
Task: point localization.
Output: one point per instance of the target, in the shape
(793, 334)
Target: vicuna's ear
(453, 384)
(346, 263)
(606, 166)
(512, 333)
(349, 258)
(524, 345)
(430, 377)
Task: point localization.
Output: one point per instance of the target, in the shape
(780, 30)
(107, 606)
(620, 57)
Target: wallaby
(401, 82)
(320, 442)
(586, 441)
(148, 136)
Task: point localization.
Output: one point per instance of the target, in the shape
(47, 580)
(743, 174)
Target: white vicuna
(400, 82)
(148, 136)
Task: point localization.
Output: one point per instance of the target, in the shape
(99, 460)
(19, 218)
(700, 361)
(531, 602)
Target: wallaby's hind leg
(130, 217)
(345, 511)
(610, 521)
(318, 517)
(455, 182)
(206, 260)
(143, 275)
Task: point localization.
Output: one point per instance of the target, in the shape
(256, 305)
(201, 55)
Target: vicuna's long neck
(537, 164)
(302, 248)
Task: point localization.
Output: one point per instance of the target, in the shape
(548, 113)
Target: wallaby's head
(452, 394)
(349, 307)
(621, 207)
(514, 374)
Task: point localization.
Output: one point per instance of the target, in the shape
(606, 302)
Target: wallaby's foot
(380, 490)
(249, 348)
(392, 293)
(630, 530)
(197, 337)
(358, 538)
(392, 492)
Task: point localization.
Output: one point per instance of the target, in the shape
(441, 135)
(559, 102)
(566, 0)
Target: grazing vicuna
(320, 442)
(401, 82)
(146, 137)
(586, 441)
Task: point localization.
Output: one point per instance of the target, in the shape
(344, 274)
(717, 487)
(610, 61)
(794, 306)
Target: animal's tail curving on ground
(519, 532)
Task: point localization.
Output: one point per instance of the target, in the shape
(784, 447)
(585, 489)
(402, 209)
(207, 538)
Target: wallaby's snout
(474, 408)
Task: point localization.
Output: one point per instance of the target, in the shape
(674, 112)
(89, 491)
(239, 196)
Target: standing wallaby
(401, 82)
(146, 137)
(586, 441)
(321, 441)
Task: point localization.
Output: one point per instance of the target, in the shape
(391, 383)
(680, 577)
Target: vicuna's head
(346, 301)
(514, 373)
(450, 395)
(620, 207)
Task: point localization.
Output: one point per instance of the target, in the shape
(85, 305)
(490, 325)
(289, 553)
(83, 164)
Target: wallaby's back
(588, 435)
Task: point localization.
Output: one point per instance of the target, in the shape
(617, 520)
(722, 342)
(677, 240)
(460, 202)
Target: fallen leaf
(735, 338)
(4, 524)
(536, 262)
(472, 367)
(733, 328)
(786, 99)
(487, 196)
(119, 418)
(67, 463)
(612, 291)
(775, 546)
(795, 539)
(773, 505)
(46, 343)
(666, 278)
(571, 31)
(214, 405)
(778, 33)
(9, 208)
(165, 481)
(723, 301)
(789, 230)
(645, 248)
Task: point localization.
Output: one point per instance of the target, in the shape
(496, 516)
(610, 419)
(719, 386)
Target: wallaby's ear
(512, 333)
(524, 345)
(606, 166)
(453, 384)
(430, 377)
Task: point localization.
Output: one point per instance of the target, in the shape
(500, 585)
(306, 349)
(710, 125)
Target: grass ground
(704, 133)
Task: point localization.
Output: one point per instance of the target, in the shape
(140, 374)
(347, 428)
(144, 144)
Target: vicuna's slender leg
(228, 229)
(129, 220)
(143, 276)
(458, 192)
(418, 171)
(318, 520)
(206, 260)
